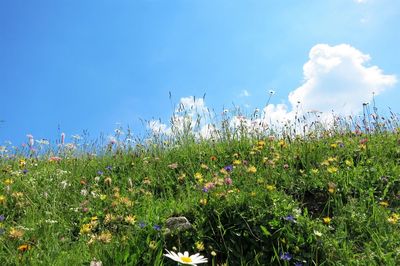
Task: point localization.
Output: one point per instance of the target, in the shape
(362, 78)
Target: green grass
(271, 200)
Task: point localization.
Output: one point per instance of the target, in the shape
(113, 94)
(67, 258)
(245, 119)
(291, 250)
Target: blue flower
(142, 224)
(286, 256)
(100, 172)
(290, 218)
(2, 217)
(228, 168)
(157, 227)
(298, 264)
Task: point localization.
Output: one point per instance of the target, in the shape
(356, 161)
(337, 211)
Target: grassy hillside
(331, 199)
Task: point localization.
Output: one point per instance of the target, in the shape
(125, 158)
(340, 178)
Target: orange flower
(23, 248)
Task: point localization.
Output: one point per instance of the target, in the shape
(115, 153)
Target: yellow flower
(199, 245)
(8, 181)
(203, 202)
(237, 162)
(253, 194)
(270, 187)
(334, 145)
(16, 233)
(153, 245)
(314, 171)
(252, 169)
(2, 199)
(349, 163)
(22, 162)
(103, 197)
(199, 177)
(85, 229)
(327, 220)
(105, 237)
(331, 188)
(204, 166)
(282, 143)
(130, 219)
(384, 204)
(332, 169)
(261, 143)
(332, 159)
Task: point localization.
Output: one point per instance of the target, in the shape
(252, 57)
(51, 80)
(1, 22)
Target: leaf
(265, 231)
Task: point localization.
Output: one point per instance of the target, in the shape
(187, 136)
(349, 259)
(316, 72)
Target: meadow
(327, 196)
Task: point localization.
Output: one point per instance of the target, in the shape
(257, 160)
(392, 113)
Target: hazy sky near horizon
(74, 65)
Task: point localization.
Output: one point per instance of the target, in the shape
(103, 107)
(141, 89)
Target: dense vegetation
(330, 198)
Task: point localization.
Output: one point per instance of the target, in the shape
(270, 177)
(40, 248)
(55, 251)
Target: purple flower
(290, 218)
(228, 168)
(298, 264)
(205, 190)
(109, 167)
(142, 224)
(25, 171)
(2, 218)
(286, 256)
(157, 227)
(100, 172)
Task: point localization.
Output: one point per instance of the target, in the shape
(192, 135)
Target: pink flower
(228, 181)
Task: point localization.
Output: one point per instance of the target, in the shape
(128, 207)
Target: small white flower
(84, 192)
(64, 184)
(185, 258)
(317, 233)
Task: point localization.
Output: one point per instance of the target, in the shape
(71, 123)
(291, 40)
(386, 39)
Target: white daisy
(185, 258)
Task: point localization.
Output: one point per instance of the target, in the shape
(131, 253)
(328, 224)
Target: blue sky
(69, 66)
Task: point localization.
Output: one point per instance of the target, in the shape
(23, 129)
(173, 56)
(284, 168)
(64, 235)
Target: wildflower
(384, 204)
(105, 237)
(203, 202)
(199, 177)
(270, 187)
(286, 256)
(54, 159)
(142, 224)
(173, 166)
(290, 218)
(228, 181)
(285, 166)
(204, 166)
(100, 172)
(213, 253)
(185, 258)
(314, 171)
(332, 169)
(108, 181)
(153, 244)
(252, 169)
(213, 158)
(16, 233)
(317, 233)
(237, 162)
(23, 248)
(326, 220)
(209, 185)
(334, 145)
(130, 219)
(85, 229)
(109, 218)
(156, 227)
(8, 181)
(2, 217)
(331, 188)
(199, 245)
(95, 262)
(228, 168)
(394, 218)
(349, 163)
(22, 163)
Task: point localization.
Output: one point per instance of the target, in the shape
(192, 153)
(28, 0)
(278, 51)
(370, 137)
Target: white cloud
(336, 78)
(244, 93)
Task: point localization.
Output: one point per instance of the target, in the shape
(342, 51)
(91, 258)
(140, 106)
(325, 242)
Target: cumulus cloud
(336, 78)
